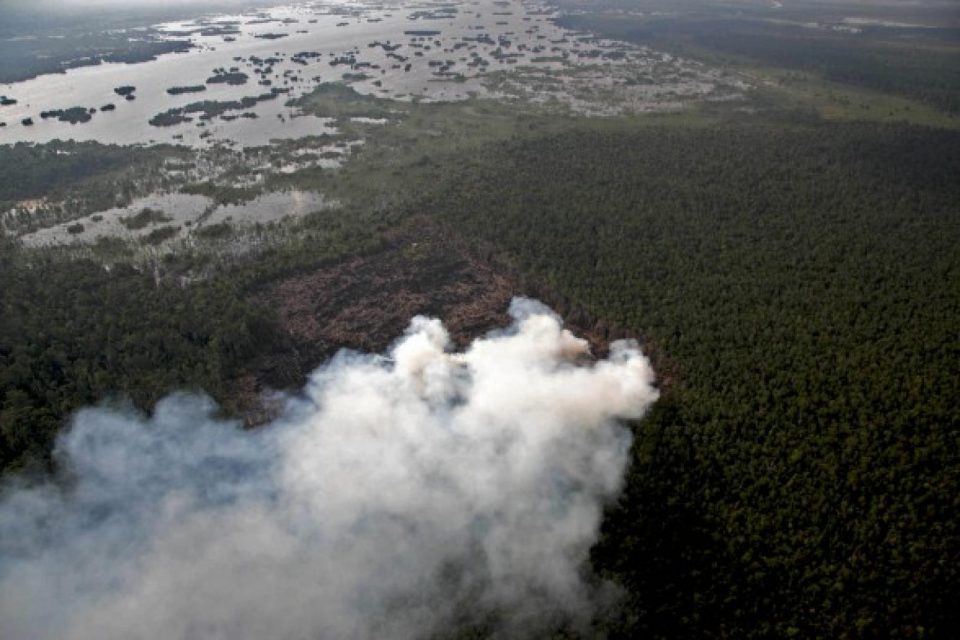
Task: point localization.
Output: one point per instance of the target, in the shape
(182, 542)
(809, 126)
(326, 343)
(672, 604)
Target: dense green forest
(73, 333)
(798, 282)
(52, 170)
(77, 331)
(801, 475)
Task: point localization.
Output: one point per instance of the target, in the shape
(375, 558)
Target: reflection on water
(270, 207)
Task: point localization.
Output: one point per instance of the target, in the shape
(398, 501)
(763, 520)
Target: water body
(184, 212)
(270, 207)
(432, 52)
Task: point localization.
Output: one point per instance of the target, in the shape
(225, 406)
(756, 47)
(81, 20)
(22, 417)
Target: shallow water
(180, 207)
(524, 32)
(270, 207)
(185, 212)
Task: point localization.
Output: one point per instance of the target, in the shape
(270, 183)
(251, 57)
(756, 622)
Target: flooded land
(160, 218)
(266, 105)
(235, 81)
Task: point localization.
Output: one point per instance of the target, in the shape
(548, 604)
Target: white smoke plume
(398, 496)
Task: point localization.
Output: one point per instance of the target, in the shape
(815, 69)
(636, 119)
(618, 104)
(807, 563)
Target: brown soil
(366, 302)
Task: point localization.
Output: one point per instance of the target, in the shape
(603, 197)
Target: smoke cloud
(399, 496)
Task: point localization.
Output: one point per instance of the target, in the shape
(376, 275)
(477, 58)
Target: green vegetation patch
(210, 109)
(338, 100)
(26, 58)
(216, 231)
(144, 218)
(160, 235)
(221, 194)
(51, 170)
